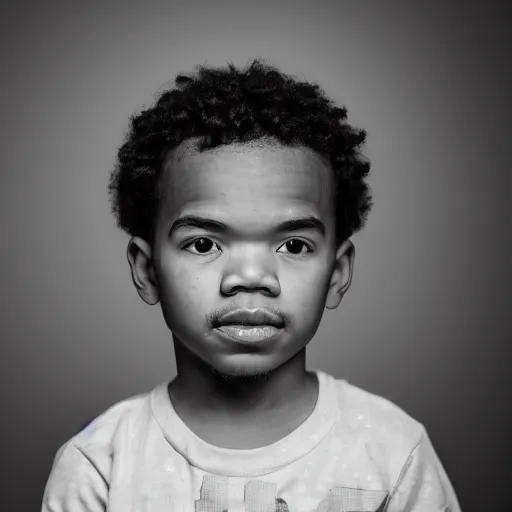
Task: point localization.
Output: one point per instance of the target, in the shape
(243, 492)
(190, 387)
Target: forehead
(246, 182)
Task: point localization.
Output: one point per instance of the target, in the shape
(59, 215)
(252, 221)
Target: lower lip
(248, 334)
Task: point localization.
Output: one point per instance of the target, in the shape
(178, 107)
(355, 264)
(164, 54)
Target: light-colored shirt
(356, 452)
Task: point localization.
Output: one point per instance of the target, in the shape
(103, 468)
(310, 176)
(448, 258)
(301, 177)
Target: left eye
(295, 246)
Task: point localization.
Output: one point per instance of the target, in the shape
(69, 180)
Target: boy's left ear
(341, 275)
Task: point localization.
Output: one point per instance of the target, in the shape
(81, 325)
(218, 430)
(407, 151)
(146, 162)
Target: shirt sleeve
(423, 485)
(74, 484)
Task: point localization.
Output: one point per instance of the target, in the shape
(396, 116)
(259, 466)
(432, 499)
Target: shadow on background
(425, 322)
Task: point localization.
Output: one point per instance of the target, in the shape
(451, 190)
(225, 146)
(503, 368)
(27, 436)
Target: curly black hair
(224, 105)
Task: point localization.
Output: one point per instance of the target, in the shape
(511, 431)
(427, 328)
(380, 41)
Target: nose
(250, 270)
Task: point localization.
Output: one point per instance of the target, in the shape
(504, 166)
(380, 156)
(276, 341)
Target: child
(241, 189)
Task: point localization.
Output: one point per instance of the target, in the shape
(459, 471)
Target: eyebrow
(300, 224)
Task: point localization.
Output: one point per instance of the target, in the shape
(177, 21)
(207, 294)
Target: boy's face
(197, 273)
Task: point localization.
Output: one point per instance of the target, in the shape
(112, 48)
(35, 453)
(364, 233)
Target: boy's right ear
(143, 274)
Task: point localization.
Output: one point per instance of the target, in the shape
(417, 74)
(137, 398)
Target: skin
(228, 395)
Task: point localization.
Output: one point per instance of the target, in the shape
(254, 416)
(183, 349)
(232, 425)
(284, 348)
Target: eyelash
(308, 246)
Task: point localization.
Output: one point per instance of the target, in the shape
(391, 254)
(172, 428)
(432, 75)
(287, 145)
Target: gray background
(424, 322)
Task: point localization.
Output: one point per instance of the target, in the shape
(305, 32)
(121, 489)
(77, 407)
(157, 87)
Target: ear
(341, 275)
(143, 274)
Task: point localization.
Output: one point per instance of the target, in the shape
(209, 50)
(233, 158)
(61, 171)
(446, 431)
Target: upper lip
(251, 317)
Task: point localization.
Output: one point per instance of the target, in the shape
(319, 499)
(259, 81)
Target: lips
(250, 325)
(247, 334)
(251, 317)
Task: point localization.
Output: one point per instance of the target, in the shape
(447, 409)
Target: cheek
(181, 300)
(309, 282)
(306, 292)
(183, 286)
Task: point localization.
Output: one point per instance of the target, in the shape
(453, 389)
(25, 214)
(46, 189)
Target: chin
(241, 372)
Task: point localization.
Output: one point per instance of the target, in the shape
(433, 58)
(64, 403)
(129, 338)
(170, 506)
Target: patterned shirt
(356, 452)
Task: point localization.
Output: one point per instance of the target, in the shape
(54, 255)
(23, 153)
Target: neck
(239, 398)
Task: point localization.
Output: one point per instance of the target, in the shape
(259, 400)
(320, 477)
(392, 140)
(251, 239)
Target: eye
(203, 246)
(296, 246)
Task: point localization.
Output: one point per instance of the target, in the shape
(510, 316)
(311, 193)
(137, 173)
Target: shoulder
(82, 468)
(364, 410)
(369, 410)
(95, 445)
(377, 430)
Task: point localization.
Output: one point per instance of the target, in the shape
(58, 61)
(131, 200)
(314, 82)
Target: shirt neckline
(254, 461)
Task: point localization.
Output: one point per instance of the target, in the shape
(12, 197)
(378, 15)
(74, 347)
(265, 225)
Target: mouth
(249, 333)
(251, 318)
(249, 325)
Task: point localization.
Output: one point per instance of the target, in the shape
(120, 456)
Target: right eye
(202, 246)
